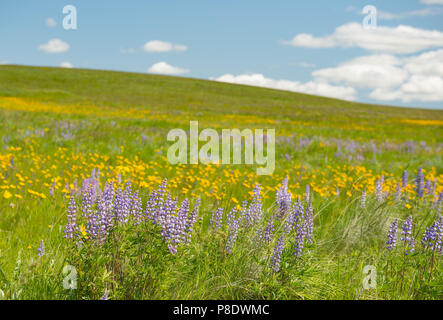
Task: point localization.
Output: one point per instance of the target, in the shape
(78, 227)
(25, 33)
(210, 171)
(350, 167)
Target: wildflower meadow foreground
(91, 208)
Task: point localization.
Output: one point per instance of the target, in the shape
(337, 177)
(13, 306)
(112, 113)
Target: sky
(391, 53)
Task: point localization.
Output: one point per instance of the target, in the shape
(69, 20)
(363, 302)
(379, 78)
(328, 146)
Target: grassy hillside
(71, 138)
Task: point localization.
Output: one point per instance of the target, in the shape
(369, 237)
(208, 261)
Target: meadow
(87, 193)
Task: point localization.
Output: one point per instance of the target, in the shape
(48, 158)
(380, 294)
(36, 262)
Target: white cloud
(54, 46)
(416, 78)
(432, 1)
(401, 39)
(164, 68)
(311, 87)
(66, 64)
(163, 46)
(428, 63)
(50, 22)
(417, 88)
(424, 82)
(366, 72)
(4, 62)
(384, 15)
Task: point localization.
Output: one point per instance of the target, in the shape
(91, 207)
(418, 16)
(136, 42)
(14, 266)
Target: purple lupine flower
(121, 206)
(167, 220)
(392, 235)
(429, 236)
(404, 179)
(253, 213)
(276, 256)
(136, 210)
(295, 215)
(71, 227)
(105, 211)
(233, 226)
(174, 224)
(256, 207)
(179, 222)
(158, 200)
(428, 186)
(379, 189)
(190, 221)
(439, 235)
(216, 219)
(309, 223)
(41, 249)
(269, 232)
(283, 199)
(307, 192)
(408, 240)
(337, 192)
(433, 235)
(150, 208)
(300, 239)
(419, 183)
(87, 197)
(363, 199)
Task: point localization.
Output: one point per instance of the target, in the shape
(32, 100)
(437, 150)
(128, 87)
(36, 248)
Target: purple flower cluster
(269, 232)
(252, 213)
(217, 219)
(41, 249)
(407, 238)
(433, 236)
(419, 184)
(102, 210)
(363, 199)
(233, 227)
(71, 227)
(283, 199)
(379, 194)
(404, 179)
(392, 235)
(276, 256)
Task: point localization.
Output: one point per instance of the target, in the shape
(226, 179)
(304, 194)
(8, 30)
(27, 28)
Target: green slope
(201, 97)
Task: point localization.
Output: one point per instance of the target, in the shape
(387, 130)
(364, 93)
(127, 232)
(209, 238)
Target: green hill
(121, 90)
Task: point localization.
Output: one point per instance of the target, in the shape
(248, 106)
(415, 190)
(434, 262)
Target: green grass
(53, 121)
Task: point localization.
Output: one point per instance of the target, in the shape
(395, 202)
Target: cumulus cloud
(388, 78)
(164, 68)
(415, 78)
(50, 22)
(417, 88)
(401, 39)
(366, 72)
(424, 82)
(428, 63)
(163, 46)
(311, 87)
(54, 46)
(66, 64)
(4, 62)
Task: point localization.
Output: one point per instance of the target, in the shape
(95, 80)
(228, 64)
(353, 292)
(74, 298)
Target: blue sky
(318, 47)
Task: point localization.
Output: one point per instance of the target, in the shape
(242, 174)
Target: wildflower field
(90, 207)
